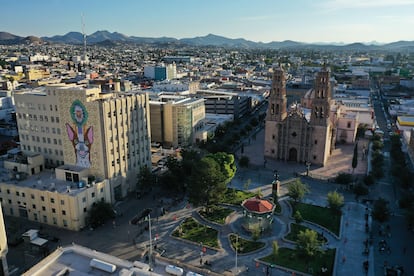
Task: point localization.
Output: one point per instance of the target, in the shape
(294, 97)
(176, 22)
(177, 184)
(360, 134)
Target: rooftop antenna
(84, 38)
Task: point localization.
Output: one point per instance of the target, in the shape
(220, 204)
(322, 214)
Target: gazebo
(257, 214)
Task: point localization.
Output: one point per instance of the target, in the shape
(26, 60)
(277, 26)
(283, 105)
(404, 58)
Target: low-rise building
(78, 260)
(60, 197)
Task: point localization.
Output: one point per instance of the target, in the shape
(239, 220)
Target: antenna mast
(84, 37)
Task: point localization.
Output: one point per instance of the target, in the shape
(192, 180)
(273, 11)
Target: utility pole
(237, 247)
(150, 243)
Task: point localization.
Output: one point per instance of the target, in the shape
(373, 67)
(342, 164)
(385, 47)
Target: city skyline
(325, 21)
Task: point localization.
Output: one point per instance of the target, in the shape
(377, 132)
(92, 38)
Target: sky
(257, 20)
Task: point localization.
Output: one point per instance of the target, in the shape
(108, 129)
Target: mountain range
(108, 38)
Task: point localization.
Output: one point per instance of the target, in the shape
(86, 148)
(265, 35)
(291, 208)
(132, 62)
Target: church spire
(322, 98)
(277, 98)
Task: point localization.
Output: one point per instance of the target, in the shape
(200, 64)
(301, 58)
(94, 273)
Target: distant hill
(8, 38)
(114, 38)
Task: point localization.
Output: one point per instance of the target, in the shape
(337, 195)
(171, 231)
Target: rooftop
(76, 260)
(45, 180)
(258, 205)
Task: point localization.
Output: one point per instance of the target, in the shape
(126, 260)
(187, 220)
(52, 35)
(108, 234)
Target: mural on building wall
(80, 135)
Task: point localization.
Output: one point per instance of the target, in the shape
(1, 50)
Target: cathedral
(300, 134)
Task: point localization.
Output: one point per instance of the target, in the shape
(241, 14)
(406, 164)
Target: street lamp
(236, 247)
(307, 163)
(150, 242)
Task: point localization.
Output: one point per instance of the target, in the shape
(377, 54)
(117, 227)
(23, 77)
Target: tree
(381, 211)
(207, 182)
(355, 158)
(255, 231)
(307, 243)
(297, 190)
(360, 190)
(244, 161)
(99, 213)
(335, 200)
(369, 180)
(298, 217)
(226, 163)
(343, 178)
(275, 249)
(145, 179)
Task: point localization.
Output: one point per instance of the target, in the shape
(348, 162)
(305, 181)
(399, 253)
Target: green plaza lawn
(245, 246)
(296, 228)
(193, 231)
(216, 214)
(326, 217)
(236, 197)
(289, 258)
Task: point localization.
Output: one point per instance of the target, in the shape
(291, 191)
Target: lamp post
(150, 242)
(307, 167)
(236, 247)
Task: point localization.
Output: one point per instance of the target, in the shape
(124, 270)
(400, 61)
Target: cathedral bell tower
(277, 98)
(276, 112)
(320, 121)
(322, 99)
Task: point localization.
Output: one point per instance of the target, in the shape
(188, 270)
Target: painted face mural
(80, 135)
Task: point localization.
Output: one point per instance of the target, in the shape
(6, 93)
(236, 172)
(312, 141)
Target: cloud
(360, 4)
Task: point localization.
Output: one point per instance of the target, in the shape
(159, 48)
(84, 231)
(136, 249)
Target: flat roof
(45, 180)
(76, 260)
(405, 120)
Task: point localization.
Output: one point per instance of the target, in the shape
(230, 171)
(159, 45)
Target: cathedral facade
(290, 135)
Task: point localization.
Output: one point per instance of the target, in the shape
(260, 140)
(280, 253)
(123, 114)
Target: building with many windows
(4, 269)
(175, 119)
(61, 198)
(106, 133)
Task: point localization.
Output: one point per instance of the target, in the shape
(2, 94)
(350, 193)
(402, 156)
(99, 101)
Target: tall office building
(161, 72)
(175, 120)
(4, 270)
(107, 133)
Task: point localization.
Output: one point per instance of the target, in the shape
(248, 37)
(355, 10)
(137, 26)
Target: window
(17, 193)
(52, 200)
(54, 210)
(42, 198)
(43, 208)
(32, 196)
(93, 194)
(10, 202)
(8, 191)
(64, 212)
(84, 209)
(62, 202)
(84, 199)
(23, 195)
(54, 221)
(316, 142)
(65, 223)
(35, 216)
(349, 125)
(45, 219)
(34, 206)
(57, 121)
